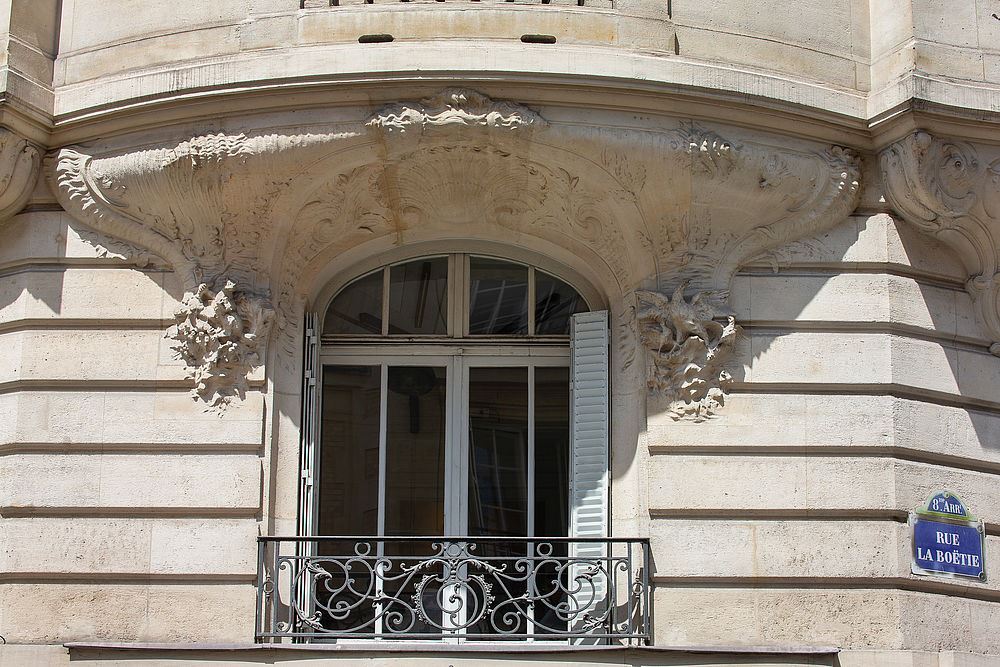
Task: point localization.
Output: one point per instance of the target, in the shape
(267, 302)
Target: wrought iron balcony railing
(471, 588)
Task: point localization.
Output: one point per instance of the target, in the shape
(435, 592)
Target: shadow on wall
(36, 251)
(869, 287)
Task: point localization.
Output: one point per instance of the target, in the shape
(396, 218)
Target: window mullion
(383, 421)
(385, 300)
(530, 548)
(531, 301)
(382, 472)
(459, 448)
(464, 297)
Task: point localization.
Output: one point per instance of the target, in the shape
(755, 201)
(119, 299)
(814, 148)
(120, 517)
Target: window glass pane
(348, 484)
(555, 302)
(498, 481)
(415, 437)
(498, 451)
(498, 297)
(357, 309)
(551, 493)
(418, 297)
(551, 451)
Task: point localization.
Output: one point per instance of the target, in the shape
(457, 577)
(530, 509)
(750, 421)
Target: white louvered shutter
(309, 435)
(589, 460)
(308, 456)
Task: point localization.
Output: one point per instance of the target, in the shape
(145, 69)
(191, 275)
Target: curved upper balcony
(852, 60)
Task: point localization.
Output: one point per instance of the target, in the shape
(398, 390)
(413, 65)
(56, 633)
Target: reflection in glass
(555, 302)
(348, 501)
(551, 450)
(418, 297)
(414, 485)
(415, 440)
(498, 297)
(498, 451)
(551, 485)
(498, 475)
(357, 309)
(348, 482)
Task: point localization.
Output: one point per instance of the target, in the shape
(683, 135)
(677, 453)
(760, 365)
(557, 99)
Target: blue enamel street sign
(947, 541)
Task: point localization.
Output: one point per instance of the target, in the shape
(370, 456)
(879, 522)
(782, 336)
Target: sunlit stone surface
(791, 212)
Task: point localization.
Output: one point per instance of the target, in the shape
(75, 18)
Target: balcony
(454, 588)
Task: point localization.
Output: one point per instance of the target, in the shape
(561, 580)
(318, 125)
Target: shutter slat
(308, 442)
(309, 433)
(589, 437)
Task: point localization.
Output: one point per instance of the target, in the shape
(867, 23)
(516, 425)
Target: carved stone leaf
(689, 341)
(707, 152)
(631, 174)
(219, 336)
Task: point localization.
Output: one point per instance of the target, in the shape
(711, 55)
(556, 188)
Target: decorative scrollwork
(451, 108)
(522, 588)
(950, 189)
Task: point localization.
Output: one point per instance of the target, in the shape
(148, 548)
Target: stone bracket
(950, 189)
(20, 161)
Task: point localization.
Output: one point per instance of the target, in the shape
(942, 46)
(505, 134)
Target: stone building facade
(730, 270)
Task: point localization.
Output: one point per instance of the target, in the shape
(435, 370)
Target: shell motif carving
(245, 217)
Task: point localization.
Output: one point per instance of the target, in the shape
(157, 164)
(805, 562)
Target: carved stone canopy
(248, 218)
(951, 190)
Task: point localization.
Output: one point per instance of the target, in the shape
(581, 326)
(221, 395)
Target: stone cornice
(950, 189)
(247, 218)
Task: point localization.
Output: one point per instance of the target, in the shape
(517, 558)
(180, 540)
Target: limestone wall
(823, 55)
(126, 512)
(862, 381)
(864, 386)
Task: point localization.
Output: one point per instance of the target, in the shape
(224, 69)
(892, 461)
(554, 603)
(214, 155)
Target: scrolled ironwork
(465, 587)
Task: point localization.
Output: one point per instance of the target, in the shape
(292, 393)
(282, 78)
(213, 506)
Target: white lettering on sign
(951, 539)
(942, 505)
(950, 557)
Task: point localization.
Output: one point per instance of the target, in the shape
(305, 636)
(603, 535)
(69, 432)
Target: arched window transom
(455, 296)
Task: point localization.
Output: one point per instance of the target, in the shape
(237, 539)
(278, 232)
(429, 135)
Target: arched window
(445, 406)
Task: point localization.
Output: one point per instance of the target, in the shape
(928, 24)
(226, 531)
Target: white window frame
(458, 352)
(457, 362)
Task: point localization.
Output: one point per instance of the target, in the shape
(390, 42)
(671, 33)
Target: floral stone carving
(455, 108)
(252, 216)
(219, 337)
(951, 190)
(689, 342)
